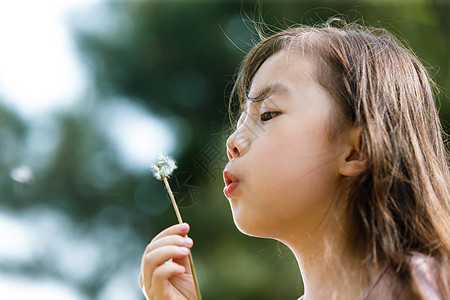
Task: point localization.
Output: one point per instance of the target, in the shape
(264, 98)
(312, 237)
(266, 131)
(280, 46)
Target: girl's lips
(231, 183)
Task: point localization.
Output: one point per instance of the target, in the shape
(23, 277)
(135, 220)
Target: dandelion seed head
(164, 167)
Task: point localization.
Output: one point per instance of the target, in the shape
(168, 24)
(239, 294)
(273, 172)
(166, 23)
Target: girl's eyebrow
(267, 91)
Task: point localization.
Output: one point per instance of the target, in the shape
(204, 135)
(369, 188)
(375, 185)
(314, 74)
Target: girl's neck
(328, 279)
(327, 272)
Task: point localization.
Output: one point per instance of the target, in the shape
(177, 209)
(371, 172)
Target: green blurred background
(78, 200)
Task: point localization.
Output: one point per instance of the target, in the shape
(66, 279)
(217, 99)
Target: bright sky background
(30, 236)
(40, 75)
(38, 68)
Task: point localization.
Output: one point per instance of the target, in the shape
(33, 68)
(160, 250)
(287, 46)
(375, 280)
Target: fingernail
(184, 250)
(184, 226)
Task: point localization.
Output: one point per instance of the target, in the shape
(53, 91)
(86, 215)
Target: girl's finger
(175, 240)
(157, 258)
(178, 229)
(160, 277)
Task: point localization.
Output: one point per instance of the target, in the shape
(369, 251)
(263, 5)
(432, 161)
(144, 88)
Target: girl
(338, 153)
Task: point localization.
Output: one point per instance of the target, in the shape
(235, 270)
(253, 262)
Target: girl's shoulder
(424, 271)
(426, 283)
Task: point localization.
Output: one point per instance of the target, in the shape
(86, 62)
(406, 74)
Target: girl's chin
(253, 229)
(243, 224)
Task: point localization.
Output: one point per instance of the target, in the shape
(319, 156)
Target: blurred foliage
(176, 58)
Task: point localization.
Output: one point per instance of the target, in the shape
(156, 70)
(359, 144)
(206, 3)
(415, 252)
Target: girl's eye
(268, 115)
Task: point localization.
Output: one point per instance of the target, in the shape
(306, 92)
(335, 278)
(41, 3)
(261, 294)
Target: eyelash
(266, 116)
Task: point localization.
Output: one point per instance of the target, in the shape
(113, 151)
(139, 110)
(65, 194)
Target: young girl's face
(283, 168)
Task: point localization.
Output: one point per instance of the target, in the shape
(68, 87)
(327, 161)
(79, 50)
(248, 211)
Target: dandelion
(164, 168)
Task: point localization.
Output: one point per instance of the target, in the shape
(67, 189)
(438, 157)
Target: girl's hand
(162, 279)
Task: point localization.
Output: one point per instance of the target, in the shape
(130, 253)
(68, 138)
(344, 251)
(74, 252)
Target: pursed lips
(231, 183)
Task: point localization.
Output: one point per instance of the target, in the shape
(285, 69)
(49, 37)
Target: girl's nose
(237, 144)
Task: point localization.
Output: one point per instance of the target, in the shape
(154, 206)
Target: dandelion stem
(172, 198)
(180, 220)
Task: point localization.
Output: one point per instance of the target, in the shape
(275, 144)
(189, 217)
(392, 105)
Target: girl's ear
(353, 160)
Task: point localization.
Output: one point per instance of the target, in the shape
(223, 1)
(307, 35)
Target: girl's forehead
(264, 91)
(281, 71)
(281, 74)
